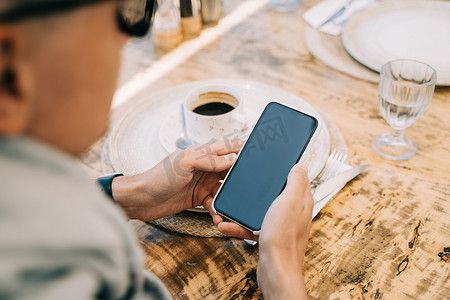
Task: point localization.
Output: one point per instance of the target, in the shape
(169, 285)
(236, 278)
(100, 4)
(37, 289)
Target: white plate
(329, 49)
(408, 30)
(134, 143)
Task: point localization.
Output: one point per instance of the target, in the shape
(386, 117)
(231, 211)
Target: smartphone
(278, 141)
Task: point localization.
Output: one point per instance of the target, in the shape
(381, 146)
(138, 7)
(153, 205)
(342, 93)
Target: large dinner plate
(329, 49)
(134, 144)
(402, 29)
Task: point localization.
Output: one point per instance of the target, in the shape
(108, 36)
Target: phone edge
(300, 160)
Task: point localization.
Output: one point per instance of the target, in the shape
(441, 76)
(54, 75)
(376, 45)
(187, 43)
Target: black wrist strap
(105, 182)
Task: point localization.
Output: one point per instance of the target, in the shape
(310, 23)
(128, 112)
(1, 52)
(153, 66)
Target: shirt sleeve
(31, 275)
(69, 274)
(61, 238)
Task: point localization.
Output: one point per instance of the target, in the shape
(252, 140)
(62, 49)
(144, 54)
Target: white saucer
(171, 128)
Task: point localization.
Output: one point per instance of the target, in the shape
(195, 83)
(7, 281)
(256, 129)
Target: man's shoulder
(54, 223)
(23, 183)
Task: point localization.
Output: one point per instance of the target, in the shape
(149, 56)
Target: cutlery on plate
(351, 10)
(332, 166)
(323, 12)
(337, 14)
(337, 182)
(183, 141)
(330, 16)
(327, 188)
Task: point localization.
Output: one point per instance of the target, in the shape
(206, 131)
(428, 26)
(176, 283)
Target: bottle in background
(191, 21)
(166, 26)
(211, 11)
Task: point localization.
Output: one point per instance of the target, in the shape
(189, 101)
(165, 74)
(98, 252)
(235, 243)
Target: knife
(323, 12)
(333, 184)
(336, 14)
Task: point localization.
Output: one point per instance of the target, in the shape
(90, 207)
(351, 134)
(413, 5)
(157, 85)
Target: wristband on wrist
(105, 182)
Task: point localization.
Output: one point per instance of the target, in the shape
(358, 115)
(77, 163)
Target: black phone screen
(259, 175)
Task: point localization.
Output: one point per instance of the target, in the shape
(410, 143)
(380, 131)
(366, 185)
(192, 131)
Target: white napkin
(318, 15)
(321, 204)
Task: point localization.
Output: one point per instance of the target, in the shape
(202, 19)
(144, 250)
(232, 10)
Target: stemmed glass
(404, 93)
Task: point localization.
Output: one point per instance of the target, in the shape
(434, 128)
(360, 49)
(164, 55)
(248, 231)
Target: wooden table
(386, 235)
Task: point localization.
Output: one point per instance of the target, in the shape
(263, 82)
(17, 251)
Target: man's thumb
(298, 179)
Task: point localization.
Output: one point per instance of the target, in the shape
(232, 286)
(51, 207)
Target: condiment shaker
(166, 26)
(191, 21)
(211, 11)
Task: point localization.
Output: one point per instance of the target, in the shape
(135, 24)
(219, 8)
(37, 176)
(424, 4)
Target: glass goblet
(404, 93)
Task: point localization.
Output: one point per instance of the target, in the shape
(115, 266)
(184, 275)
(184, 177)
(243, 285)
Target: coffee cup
(214, 112)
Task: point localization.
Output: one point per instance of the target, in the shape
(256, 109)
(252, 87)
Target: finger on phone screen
(220, 148)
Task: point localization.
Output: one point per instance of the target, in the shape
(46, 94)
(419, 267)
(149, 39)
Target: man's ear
(15, 105)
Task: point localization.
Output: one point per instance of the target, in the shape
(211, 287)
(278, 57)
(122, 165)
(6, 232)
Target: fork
(333, 165)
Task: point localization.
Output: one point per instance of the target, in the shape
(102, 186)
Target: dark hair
(17, 10)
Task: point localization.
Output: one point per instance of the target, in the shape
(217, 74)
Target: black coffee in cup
(214, 104)
(213, 109)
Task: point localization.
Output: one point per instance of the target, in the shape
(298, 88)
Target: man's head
(58, 72)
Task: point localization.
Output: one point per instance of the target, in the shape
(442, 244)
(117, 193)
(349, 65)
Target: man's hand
(283, 239)
(189, 178)
(185, 179)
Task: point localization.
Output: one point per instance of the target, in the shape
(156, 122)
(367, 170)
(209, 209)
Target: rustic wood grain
(386, 235)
